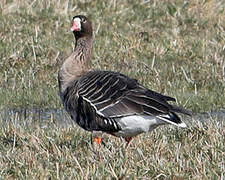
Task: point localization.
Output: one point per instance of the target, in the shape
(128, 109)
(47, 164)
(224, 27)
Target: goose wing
(113, 94)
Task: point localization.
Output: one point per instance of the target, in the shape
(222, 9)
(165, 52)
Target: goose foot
(98, 140)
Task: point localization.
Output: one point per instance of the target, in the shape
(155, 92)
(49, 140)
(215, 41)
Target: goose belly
(136, 124)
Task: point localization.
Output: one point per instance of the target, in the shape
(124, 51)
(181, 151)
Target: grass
(49, 150)
(173, 47)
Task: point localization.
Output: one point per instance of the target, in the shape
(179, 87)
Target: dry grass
(174, 47)
(48, 150)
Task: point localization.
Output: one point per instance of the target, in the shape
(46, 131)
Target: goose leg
(98, 140)
(128, 140)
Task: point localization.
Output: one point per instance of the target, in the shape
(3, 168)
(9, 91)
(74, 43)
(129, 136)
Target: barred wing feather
(115, 95)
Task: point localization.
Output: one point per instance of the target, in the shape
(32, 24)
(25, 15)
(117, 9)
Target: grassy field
(49, 150)
(174, 47)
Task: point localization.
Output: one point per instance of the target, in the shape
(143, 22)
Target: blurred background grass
(173, 47)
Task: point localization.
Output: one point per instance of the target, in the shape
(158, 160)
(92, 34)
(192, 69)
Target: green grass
(174, 47)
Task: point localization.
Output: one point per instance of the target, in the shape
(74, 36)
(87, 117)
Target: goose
(107, 101)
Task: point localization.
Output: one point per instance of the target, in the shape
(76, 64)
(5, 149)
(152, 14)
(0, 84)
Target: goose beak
(76, 25)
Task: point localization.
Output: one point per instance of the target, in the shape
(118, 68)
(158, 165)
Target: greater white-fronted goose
(108, 101)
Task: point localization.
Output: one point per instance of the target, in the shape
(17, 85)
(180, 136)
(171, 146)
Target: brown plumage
(78, 62)
(109, 101)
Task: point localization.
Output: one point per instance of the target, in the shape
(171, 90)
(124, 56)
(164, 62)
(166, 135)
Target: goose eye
(84, 20)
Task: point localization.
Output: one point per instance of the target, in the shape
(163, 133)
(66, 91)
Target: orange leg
(98, 140)
(128, 140)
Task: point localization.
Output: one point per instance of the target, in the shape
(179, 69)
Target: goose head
(81, 27)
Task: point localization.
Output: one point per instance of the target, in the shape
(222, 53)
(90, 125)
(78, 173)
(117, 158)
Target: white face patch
(76, 24)
(77, 19)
